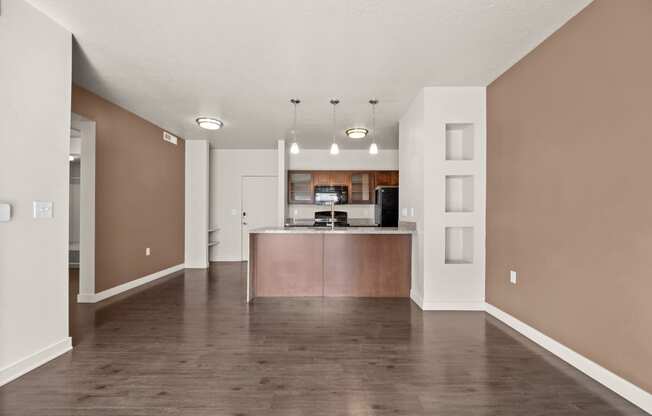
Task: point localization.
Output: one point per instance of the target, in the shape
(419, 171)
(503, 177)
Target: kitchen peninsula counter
(320, 261)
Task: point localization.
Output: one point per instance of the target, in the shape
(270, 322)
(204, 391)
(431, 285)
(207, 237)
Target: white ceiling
(242, 60)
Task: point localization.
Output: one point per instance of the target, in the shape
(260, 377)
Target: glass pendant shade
(335, 149)
(294, 148)
(373, 149)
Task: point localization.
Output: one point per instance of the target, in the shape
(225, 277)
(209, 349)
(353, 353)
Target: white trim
(416, 298)
(29, 363)
(452, 306)
(619, 385)
(445, 306)
(229, 259)
(197, 266)
(96, 297)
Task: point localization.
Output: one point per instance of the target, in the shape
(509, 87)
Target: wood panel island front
(349, 261)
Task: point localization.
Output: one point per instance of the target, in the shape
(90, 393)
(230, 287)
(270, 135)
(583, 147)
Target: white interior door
(259, 206)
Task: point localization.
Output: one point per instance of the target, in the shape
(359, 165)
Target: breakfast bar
(320, 261)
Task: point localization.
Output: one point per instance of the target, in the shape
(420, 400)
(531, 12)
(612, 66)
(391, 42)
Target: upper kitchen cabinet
(386, 178)
(300, 188)
(362, 186)
(331, 178)
(340, 178)
(321, 177)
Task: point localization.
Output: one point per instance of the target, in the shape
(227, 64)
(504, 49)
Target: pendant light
(335, 149)
(294, 148)
(373, 149)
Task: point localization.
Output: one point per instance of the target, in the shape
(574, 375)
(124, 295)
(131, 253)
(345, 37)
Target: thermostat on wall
(5, 212)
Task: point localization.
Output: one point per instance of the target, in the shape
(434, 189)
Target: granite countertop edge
(327, 230)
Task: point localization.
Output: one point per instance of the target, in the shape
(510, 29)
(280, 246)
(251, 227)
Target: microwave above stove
(325, 195)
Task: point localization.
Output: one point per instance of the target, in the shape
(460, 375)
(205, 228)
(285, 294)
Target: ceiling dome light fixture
(373, 148)
(357, 133)
(335, 149)
(294, 148)
(209, 123)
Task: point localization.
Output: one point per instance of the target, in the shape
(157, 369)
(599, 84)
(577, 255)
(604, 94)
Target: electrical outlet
(512, 277)
(148, 251)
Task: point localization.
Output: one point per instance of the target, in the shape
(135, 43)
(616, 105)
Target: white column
(197, 204)
(282, 183)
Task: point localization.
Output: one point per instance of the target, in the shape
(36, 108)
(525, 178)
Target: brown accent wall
(569, 187)
(139, 196)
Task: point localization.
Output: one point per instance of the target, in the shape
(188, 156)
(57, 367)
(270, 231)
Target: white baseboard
(227, 259)
(196, 266)
(445, 306)
(416, 298)
(453, 306)
(96, 297)
(27, 364)
(619, 385)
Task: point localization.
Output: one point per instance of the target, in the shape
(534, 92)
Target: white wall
(35, 84)
(411, 160)
(227, 168)
(197, 203)
(321, 159)
(423, 164)
(318, 159)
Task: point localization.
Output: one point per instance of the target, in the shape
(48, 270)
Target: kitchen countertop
(309, 222)
(337, 230)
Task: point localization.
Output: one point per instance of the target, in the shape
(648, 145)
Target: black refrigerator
(386, 214)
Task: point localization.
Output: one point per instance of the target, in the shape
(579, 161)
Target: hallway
(189, 345)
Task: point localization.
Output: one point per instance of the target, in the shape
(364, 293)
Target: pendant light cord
(334, 102)
(294, 102)
(373, 103)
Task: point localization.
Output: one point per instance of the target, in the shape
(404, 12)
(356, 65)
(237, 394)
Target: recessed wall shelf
(459, 245)
(459, 141)
(459, 193)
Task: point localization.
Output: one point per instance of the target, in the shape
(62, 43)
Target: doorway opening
(81, 245)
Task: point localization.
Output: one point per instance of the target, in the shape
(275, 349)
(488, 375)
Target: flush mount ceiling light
(209, 123)
(294, 148)
(335, 149)
(357, 133)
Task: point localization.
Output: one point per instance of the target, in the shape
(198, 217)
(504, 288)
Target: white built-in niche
(459, 245)
(459, 141)
(459, 193)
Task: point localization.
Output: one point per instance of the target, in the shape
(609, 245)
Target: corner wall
(35, 79)
(568, 205)
(139, 194)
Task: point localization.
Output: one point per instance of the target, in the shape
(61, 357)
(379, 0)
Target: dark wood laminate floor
(188, 345)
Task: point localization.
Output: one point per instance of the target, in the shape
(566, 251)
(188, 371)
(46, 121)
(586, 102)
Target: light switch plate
(512, 277)
(42, 209)
(404, 212)
(5, 212)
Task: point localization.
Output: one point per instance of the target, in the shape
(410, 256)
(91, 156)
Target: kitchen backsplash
(308, 211)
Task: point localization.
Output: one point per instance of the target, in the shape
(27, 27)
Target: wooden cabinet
(361, 184)
(340, 178)
(362, 188)
(300, 188)
(321, 178)
(387, 178)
